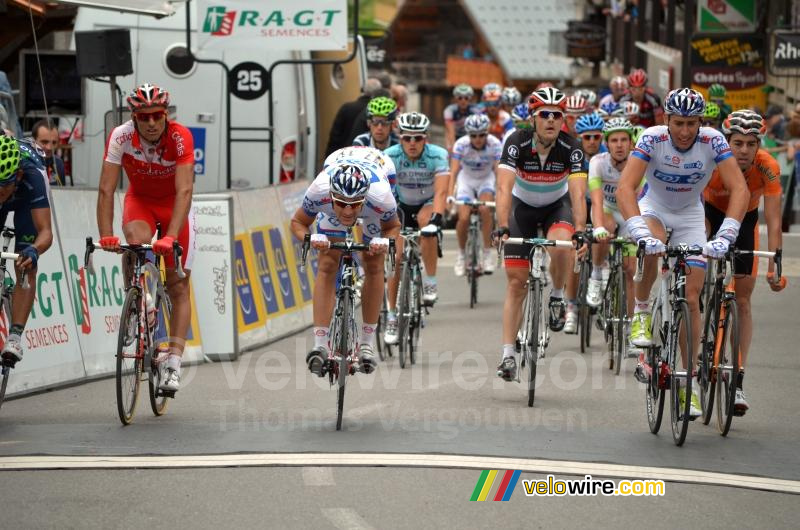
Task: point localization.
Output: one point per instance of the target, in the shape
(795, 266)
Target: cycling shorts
(469, 188)
(409, 214)
(525, 221)
(688, 225)
(152, 211)
(747, 240)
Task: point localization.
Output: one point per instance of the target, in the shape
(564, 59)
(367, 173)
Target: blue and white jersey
(675, 179)
(415, 178)
(477, 163)
(378, 164)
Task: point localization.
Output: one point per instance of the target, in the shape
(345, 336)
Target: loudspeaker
(106, 52)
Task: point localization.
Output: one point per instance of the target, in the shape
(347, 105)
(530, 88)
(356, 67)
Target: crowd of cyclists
(690, 168)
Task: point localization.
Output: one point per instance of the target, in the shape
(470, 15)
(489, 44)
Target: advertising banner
(786, 50)
(726, 15)
(277, 25)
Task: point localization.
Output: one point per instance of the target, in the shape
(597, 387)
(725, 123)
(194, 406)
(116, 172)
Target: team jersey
(150, 168)
(415, 178)
(365, 140)
(477, 163)
(541, 182)
(453, 114)
(608, 98)
(763, 178)
(379, 207)
(603, 175)
(676, 179)
(31, 190)
(373, 160)
(502, 124)
(647, 108)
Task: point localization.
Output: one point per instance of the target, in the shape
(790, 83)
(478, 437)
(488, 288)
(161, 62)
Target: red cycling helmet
(637, 78)
(148, 95)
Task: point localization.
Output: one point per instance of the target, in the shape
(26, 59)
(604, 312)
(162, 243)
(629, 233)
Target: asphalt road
(253, 443)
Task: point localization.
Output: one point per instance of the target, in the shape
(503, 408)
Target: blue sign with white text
(199, 139)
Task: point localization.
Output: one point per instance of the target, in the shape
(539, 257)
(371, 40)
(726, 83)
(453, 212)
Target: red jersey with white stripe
(150, 168)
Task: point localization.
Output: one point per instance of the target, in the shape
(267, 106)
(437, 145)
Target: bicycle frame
(5, 302)
(474, 263)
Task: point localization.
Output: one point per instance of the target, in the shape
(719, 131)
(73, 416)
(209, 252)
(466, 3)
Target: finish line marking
(689, 476)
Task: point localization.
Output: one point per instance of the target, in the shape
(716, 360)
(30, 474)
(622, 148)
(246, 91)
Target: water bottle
(151, 310)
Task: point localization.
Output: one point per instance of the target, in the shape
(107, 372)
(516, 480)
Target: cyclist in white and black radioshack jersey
(541, 182)
(371, 159)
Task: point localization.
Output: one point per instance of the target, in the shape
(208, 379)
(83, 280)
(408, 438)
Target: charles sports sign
(279, 24)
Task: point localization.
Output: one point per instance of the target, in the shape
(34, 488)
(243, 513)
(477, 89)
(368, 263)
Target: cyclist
(676, 159)
(510, 98)
(589, 130)
(604, 173)
(717, 94)
(540, 173)
(630, 109)
(611, 110)
(618, 86)
(456, 113)
(381, 113)
(744, 130)
(23, 190)
(575, 107)
(650, 112)
(519, 116)
(158, 157)
(711, 117)
(499, 120)
(423, 175)
(472, 175)
(590, 96)
(342, 193)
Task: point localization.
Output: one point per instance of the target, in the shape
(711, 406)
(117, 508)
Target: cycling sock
(16, 329)
(597, 273)
(321, 337)
(391, 314)
(368, 334)
(572, 306)
(462, 252)
(174, 363)
(508, 351)
(640, 306)
(430, 280)
(557, 293)
(740, 380)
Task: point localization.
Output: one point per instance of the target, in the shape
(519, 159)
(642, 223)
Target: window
(177, 61)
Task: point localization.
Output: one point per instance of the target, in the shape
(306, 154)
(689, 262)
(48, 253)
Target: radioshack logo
(218, 21)
(501, 483)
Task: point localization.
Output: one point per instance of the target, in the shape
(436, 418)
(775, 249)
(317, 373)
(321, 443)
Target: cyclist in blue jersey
(423, 175)
(677, 160)
(456, 113)
(23, 190)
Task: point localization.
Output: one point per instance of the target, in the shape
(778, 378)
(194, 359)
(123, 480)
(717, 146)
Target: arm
(772, 213)
(597, 207)
(577, 194)
(300, 224)
(391, 228)
(628, 183)
(442, 180)
(455, 167)
(449, 134)
(109, 178)
(44, 235)
(184, 177)
(505, 183)
(734, 182)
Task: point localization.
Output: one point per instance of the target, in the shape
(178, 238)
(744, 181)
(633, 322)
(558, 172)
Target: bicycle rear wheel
(681, 326)
(620, 314)
(158, 401)
(342, 350)
(728, 366)
(5, 371)
(130, 356)
(654, 392)
(403, 314)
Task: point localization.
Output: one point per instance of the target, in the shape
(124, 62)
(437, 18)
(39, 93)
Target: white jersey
(603, 175)
(675, 179)
(369, 158)
(477, 164)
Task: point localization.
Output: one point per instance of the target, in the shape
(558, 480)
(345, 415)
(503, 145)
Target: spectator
(45, 134)
(346, 117)
(400, 95)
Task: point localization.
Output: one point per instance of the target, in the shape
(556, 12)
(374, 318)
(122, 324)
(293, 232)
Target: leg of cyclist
(324, 298)
(371, 301)
(430, 258)
(487, 222)
(517, 276)
(462, 226)
(640, 324)
(744, 290)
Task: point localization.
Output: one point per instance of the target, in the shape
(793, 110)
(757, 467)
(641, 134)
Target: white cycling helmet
(477, 123)
(413, 122)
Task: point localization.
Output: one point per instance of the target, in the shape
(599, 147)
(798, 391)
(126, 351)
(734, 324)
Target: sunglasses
(465, 98)
(147, 116)
(550, 114)
(417, 138)
(381, 123)
(594, 137)
(495, 103)
(478, 135)
(344, 204)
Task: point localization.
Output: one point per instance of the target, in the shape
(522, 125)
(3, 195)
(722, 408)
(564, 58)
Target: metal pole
(671, 24)
(688, 31)
(115, 113)
(641, 34)
(655, 20)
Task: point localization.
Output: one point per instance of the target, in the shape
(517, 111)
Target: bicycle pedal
(166, 393)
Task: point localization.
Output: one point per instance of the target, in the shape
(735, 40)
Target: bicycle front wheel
(130, 356)
(474, 265)
(415, 325)
(341, 354)
(5, 371)
(403, 314)
(654, 391)
(728, 366)
(584, 314)
(533, 342)
(680, 327)
(158, 401)
(620, 316)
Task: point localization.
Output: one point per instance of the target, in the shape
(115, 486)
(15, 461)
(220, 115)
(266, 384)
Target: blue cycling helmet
(611, 109)
(589, 122)
(477, 123)
(520, 112)
(349, 181)
(685, 102)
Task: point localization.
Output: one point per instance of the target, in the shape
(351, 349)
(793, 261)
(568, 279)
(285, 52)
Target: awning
(155, 8)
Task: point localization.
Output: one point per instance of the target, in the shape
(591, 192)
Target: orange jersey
(763, 178)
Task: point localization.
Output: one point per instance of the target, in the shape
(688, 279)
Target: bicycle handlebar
(776, 256)
(345, 246)
(489, 204)
(13, 256)
(177, 252)
(537, 241)
(672, 251)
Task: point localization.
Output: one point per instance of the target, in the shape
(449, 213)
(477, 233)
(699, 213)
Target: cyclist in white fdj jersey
(472, 170)
(677, 160)
(341, 194)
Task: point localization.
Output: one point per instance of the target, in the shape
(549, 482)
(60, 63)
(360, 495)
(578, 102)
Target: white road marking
(690, 476)
(345, 519)
(318, 476)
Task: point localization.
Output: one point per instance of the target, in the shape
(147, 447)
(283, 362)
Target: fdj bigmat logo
(220, 22)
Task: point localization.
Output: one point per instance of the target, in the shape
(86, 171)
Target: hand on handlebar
(320, 242)
(501, 234)
(653, 246)
(109, 243)
(28, 258)
(378, 245)
(580, 244)
(163, 246)
(600, 233)
(776, 285)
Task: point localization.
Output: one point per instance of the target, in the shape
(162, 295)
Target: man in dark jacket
(345, 118)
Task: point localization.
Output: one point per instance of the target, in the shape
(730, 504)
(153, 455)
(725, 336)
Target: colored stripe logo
(505, 486)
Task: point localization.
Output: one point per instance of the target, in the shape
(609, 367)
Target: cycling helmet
(463, 90)
(382, 106)
(546, 96)
(148, 95)
(684, 102)
(491, 92)
(589, 95)
(616, 125)
(717, 91)
(413, 122)
(476, 123)
(712, 111)
(9, 160)
(637, 78)
(510, 96)
(637, 132)
(589, 122)
(744, 122)
(520, 112)
(618, 81)
(630, 108)
(611, 109)
(349, 181)
(575, 104)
